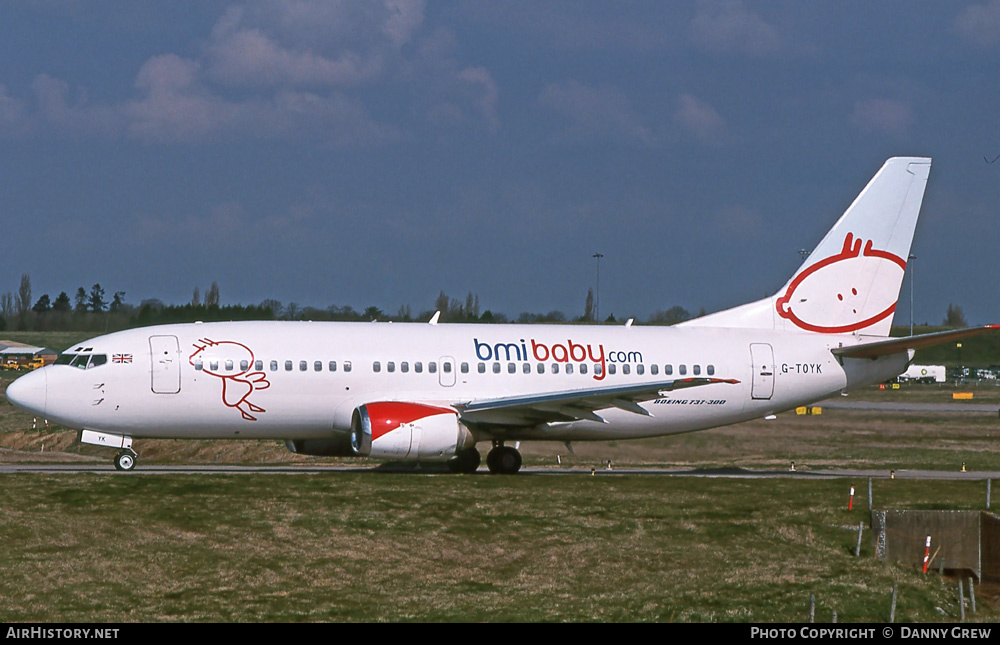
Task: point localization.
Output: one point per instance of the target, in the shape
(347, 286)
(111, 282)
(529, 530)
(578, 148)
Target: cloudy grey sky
(379, 152)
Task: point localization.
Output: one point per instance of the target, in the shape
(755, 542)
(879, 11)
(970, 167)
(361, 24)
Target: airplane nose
(29, 392)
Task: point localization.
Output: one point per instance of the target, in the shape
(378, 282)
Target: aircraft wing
(572, 405)
(899, 345)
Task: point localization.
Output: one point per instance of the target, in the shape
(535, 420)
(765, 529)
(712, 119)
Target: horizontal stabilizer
(900, 345)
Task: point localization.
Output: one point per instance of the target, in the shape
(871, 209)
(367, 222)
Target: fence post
(961, 602)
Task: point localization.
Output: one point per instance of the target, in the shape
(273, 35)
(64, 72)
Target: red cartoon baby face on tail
(846, 292)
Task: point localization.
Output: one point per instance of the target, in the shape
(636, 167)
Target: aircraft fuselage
(303, 380)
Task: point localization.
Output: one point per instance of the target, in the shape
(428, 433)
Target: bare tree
(7, 305)
(588, 306)
(441, 304)
(22, 301)
(955, 317)
(472, 306)
(196, 298)
(212, 295)
(671, 316)
(277, 310)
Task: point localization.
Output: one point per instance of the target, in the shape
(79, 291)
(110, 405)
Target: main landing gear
(125, 460)
(466, 461)
(503, 460)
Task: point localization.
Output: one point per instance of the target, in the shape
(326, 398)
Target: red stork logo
(845, 292)
(225, 359)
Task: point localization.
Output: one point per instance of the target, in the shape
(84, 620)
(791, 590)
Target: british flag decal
(121, 358)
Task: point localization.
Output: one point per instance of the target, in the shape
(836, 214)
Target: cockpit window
(83, 361)
(80, 360)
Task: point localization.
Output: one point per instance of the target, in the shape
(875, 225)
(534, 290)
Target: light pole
(910, 259)
(597, 306)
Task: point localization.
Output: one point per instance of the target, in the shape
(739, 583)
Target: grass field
(370, 546)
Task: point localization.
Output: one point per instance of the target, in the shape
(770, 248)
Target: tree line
(90, 310)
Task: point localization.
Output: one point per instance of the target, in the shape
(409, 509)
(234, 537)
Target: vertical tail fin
(850, 282)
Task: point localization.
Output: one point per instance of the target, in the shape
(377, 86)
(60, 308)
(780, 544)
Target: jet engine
(401, 430)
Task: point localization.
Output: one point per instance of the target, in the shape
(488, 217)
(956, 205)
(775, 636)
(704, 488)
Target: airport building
(18, 356)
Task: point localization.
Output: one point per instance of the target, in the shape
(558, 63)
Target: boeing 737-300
(422, 392)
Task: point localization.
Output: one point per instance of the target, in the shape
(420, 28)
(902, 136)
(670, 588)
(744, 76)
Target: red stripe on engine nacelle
(386, 416)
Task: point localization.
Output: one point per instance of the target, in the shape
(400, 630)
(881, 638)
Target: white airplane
(433, 391)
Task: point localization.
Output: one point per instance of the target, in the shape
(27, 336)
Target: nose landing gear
(126, 457)
(125, 460)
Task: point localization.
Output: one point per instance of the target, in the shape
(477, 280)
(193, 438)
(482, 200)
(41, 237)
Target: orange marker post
(850, 502)
(927, 553)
